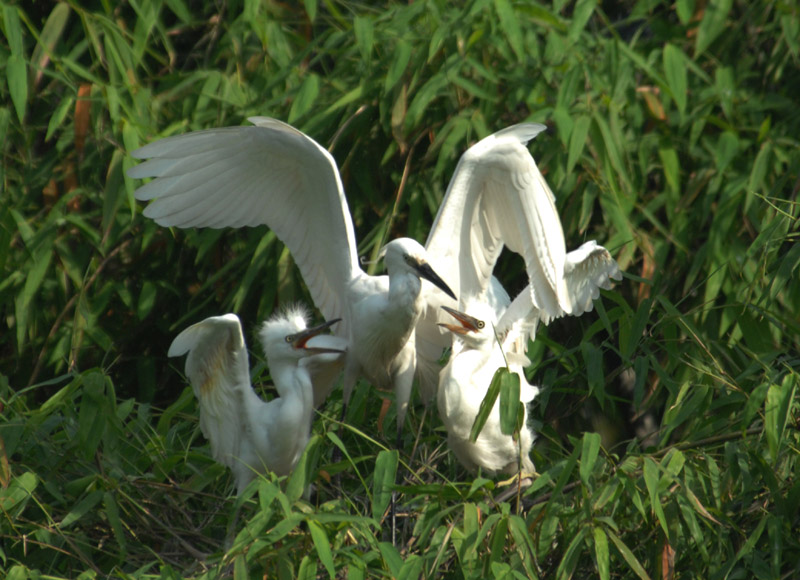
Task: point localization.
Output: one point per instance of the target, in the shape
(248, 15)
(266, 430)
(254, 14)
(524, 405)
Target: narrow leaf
(712, 25)
(383, 482)
(486, 405)
(601, 552)
(675, 71)
(509, 400)
(635, 565)
(510, 25)
(322, 545)
(589, 452)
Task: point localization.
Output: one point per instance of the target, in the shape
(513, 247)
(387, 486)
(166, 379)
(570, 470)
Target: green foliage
(668, 418)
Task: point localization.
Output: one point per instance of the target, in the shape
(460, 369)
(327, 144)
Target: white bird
(476, 355)
(246, 433)
(497, 198)
(273, 174)
(464, 382)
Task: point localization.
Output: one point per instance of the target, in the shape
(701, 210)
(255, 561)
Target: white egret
(476, 355)
(273, 174)
(246, 433)
(497, 198)
(463, 384)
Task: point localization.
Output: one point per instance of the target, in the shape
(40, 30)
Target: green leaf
(509, 401)
(577, 140)
(589, 451)
(685, 10)
(580, 16)
(18, 492)
(712, 25)
(311, 9)
(675, 71)
(510, 24)
(306, 97)
(593, 359)
(487, 404)
(651, 480)
(601, 552)
(383, 482)
(80, 509)
(17, 78)
(322, 545)
(402, 55)
(365, 36)
(392, 558)
(635, 565)
(776, 408)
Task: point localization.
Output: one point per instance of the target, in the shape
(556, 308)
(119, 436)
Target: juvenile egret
(464, 381)
(476, 355)
(246, 433)
(271, 173)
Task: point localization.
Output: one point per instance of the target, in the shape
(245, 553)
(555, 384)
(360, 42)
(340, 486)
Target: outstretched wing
(586, 270)
(218, 370)
(269, 173)
(498, 198)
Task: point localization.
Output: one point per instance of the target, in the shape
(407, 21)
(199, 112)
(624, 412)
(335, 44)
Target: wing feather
(218, 370)
(269, 173)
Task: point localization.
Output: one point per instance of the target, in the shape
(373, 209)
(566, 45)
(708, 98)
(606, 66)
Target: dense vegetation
(669, 443)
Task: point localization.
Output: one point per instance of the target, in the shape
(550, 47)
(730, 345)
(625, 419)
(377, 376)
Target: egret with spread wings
(246, 433)
(271, 173)
(498, 198)
(477, 355)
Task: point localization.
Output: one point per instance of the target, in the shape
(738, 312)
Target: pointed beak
(425, 271)
(467, 323)
(300, 340)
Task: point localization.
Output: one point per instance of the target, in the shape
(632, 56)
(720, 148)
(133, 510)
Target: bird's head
(472, 330)
(286, 335)
(407, 255)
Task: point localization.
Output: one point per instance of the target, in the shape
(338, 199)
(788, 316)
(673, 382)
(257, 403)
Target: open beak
(301, 339)
(425, 271)
(467, 323)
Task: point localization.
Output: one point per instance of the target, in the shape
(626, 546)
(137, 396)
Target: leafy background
(668, 422)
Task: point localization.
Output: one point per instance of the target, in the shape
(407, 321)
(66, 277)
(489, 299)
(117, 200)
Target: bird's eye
(290, 338)
(481, 324)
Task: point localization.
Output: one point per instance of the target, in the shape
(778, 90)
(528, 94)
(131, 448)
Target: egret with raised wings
(497, 198)
(477, 354)
(246, 433)
(273, 174)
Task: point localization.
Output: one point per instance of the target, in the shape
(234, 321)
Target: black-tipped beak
(300, 339)
(467, 323)
(425, 271)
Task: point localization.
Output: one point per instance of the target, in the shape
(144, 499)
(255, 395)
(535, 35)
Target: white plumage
(246, 433)
(477, 355)
(273, 174)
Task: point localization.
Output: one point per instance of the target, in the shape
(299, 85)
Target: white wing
(586, 270)
(269, 173)
(218, 370)
(498, 198)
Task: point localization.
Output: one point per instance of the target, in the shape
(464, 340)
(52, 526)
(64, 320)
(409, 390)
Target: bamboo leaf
(675, 72)
(487, 404)
(509, 401)
(601, 552)
(589, 451)
(322, 545)
(383, 482)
